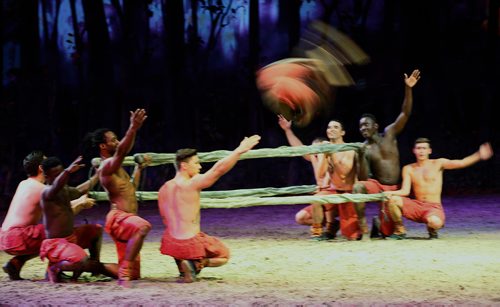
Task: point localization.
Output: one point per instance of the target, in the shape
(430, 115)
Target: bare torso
(25, 207)
(179, 205)
(121, 191)
(383, 157)
(342, 170)
(427, 180)
(58, 217)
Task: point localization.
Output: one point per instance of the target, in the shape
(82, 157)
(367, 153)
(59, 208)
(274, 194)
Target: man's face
(192, 166)
(367, 127)
(422, 151)
(334, 130)
(52, 173)
(110, 144)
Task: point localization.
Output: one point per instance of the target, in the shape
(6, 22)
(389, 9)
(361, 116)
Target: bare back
(121, 191)
(58, 217)
(25, 207)
(383, 157)
(342, 170)
(426, 180)
(179, 204)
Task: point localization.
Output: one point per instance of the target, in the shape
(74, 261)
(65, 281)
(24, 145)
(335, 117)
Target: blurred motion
(301, 88)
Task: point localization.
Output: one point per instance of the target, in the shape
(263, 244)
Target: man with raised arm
(342, 169)
(179, 205)
(382, 156)
(22, 232)
(425, 179)
(127, 229)
(64, 243)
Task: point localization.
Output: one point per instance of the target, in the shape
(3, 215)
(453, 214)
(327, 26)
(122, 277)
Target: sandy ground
(273, 263)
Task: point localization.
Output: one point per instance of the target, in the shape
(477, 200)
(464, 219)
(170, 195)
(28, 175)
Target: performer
(127, 229)
(342, 169)
(382, 156)
(425, 178)
(22, 233)
(179, 205)
(64, 244)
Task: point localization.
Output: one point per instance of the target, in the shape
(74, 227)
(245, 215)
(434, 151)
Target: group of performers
(46, 196)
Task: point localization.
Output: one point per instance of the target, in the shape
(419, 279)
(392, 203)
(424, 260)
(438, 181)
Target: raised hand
(75, 165)
(413, 78)
(137, 118)
(284, 123)
(248, 143)
(485, 151)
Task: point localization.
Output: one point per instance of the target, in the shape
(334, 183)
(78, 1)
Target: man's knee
(359, 188)
(434, 222)
(302, 217)
(144, 230)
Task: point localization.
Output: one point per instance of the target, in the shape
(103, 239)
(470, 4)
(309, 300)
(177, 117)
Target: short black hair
(371, 116)
(338, 121)
(182, 155)
(32, 161)
(92, 140)
(422, 140)
(50, 163)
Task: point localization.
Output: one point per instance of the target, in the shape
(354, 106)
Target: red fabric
(122, 225)
(22, 240)
(349, 226)
(60, 249)
(373, 187)
(198, 247)
(419, 211)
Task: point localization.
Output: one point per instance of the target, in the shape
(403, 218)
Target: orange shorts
(62, 249)
(198, 247)
(122, 225)
(373, 187)
(419, 211)
(22, 240)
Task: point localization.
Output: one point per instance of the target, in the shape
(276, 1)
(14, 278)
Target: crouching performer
(179, 205)
(65, 243)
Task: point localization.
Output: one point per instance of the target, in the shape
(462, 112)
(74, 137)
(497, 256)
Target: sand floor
(273, 263)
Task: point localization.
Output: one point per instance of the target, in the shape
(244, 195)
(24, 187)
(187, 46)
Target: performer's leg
(360, 188)
(14, 265)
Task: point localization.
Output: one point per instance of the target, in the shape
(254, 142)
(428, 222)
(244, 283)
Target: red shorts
(22, 240)
(122, 225)
(373, 187)
(200, 246)
(59, 249)
(419, 211)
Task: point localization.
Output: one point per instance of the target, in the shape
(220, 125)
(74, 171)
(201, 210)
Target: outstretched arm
(484, 153)
(405, 184)
(62, 179)
(136, 174)
(84, 202)
(398, 125)
(222, 166)
(111, 165)
(292, 139)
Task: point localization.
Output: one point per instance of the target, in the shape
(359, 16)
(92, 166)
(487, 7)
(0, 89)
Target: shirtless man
(64, 243)
(127, 229)
(179, 205)
(342, 169)
(22, 233)
(425, 178)
(382, 156)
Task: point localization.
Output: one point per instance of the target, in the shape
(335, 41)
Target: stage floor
(273, 262)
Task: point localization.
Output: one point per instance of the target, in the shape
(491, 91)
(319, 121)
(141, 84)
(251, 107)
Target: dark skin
(381, 151)
(58, 217)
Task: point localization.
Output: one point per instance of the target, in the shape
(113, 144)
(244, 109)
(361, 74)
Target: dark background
(69, 67)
